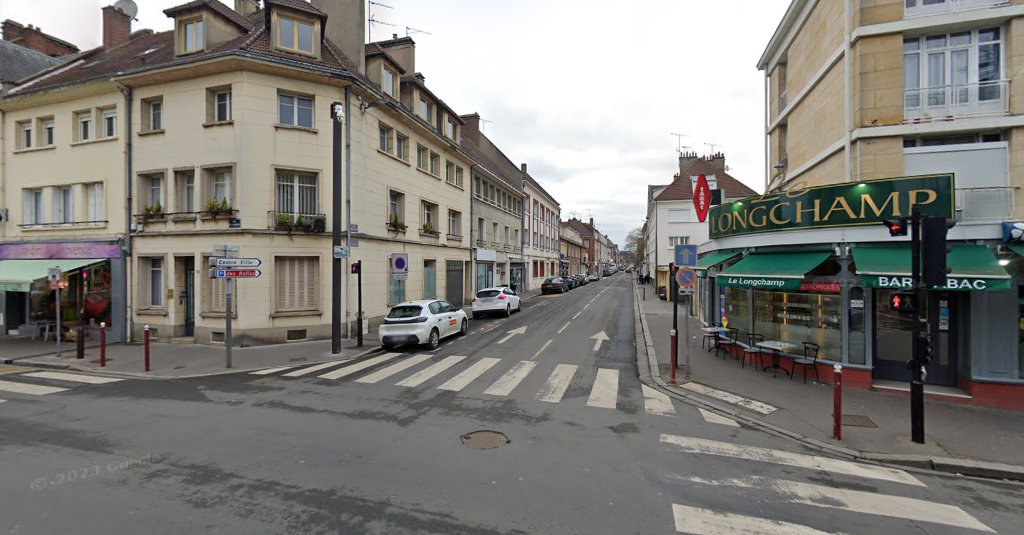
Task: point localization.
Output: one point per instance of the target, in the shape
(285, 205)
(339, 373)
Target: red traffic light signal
(902, 302)
(85, 275)
(356, 266)
(897, 227)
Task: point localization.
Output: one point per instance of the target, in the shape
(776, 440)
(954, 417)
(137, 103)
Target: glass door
(893, 338)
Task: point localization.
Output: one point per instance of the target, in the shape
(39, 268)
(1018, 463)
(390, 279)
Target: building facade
(571, 250)
(874, 108)
(541, 222)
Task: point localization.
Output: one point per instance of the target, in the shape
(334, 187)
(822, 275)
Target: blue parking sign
(686, 255)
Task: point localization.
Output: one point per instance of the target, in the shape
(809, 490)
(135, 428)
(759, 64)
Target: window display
(800, 317)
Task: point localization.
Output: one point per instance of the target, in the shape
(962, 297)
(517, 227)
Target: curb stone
(934, 466)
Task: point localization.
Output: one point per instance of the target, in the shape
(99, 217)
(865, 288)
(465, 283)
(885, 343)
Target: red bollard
(674, 359)
(837, 402)
(103, 344)
(145, 341)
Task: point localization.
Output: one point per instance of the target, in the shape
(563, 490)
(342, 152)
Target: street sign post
(225, 251)
(227, 265)
(686, 255)
(340, 252)
(53, 275)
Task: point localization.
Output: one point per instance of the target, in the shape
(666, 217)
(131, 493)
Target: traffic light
(356, 266)
(933, 250)
(85, 276)
(902, 302)
(927, 342)
(897, 227)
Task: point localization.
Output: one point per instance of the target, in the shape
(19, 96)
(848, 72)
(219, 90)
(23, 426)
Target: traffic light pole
(917, 361)
(359, 304)
(673, 295)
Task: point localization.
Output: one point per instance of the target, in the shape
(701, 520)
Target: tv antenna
(712, 145)
(679, 142)
(372, 20)
(410, 30)
(484, 122)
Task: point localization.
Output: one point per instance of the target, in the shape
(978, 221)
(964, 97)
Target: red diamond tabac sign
(702, 198)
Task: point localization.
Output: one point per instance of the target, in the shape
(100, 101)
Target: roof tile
(681, 187)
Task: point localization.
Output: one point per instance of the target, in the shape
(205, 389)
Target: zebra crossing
(28, 383)
(788, 491)
(463, 374)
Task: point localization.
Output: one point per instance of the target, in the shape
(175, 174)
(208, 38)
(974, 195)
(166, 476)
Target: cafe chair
(729, 342)
(810, 359)
(710, 339)
(753, 350)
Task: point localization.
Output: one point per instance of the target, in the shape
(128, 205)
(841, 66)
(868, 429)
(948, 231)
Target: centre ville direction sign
(840, 205)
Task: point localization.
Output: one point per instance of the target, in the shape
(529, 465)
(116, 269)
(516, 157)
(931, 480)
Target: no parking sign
(399, 265)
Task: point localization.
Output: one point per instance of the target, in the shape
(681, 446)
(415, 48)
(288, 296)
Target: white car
(422, 322)
(501, 300)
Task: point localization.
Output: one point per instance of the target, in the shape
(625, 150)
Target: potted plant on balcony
(395, 224)
(429, 230)
(284, 222)
(152, 212)
(217, 209)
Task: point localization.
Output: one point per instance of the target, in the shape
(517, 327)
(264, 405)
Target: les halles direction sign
(843, 205)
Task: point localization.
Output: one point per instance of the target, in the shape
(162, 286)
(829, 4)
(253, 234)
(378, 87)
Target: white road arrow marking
(513, 332)
(600, 337)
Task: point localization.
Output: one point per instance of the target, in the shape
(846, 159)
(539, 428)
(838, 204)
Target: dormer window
(190, 36)
(295, 35)
(387, 81)
(449, 128)
(426, 110)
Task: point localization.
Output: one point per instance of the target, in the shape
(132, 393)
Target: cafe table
(715, 332)
(777, 347)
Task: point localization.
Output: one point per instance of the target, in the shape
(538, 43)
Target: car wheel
(387, 347)
(434, 339)
(465, 328)
(508, 310)
(519, 306)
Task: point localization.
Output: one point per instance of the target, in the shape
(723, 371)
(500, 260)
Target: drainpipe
(767, 133)
(848, 87)
(127, 92)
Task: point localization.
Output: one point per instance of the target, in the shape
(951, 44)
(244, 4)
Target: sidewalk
(176, 361)
(955, 435)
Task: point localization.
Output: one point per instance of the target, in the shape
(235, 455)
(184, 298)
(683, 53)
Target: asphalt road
(365, 450)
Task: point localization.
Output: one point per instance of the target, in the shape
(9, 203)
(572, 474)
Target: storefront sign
(820, 287)
(952, 283)
(759, 283)
(43, 251)
(842, 205)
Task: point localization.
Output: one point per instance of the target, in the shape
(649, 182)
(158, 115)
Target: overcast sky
(586, 92)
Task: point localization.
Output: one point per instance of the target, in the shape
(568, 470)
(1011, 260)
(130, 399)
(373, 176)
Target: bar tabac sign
(841, 205)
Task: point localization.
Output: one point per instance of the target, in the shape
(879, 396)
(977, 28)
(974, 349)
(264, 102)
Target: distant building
(34, 39)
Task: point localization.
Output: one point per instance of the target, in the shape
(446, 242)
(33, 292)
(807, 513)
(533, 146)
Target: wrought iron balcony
(290, 222)
(923, 8)
(944, 103)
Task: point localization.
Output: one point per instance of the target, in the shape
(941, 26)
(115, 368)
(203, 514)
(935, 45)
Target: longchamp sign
(841, 205)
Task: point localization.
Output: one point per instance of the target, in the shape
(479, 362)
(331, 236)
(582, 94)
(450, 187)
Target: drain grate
(856, 420)
(484, 440)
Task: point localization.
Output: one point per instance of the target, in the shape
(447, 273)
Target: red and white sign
(241, 273)
(702, 198)
(820, 287)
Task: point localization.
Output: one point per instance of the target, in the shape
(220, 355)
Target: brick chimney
(718, 160)
(12, 30)
(346, 27)
(591, 222)
(117, 25)
(471, 130)
(685, 160)
(246, 7)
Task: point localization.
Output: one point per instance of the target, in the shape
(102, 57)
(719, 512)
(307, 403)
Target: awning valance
(972, 267)
(772, 271)
(17, 275)
(710, 260)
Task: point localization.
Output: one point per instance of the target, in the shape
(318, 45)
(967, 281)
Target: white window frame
(94, 202)
(108, 117)
(401, 146)
(396, 206)
(222, 97)
(388, 79)
(297, 193)
(949, 94)
(25, 135)
(422, 157)
(63, 205)
(435, 164)
(83, 125)
(155, 286)
(48, 134)
(295, 103)
(454, 223)
(385, 138)
(156, 114)
(34, 206)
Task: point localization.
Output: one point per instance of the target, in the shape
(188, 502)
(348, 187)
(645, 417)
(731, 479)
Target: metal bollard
(145, 341)
(674, 360)
(837, 402)
(103, 344)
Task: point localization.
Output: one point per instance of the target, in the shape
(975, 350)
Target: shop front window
(800, 317)
(858, 339)
(484, 276)
(737, 310)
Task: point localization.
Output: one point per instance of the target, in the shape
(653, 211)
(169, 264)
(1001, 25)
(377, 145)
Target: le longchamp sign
(842, 205)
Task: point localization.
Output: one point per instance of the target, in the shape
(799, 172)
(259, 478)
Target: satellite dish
(128, 6)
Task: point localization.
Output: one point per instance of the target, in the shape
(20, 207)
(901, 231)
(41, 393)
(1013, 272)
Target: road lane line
(856, 501)
(349, 370)
(3, 401)
(586, 306)
(425, 374)
(699, 521)
(798, 460)
(393, 369)
(730, 398)
(577, 314)
(605, 393)
(469, 375)
(541, 350)
(656, 402)
(30, 389)
(311, 369)
(557, 383)
(506, 383)
(269, 371)
(73, 377)
(715, 418)
(564, 327)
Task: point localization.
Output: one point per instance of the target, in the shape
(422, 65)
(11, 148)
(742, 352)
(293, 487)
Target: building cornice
(794, 18)
(994, 15)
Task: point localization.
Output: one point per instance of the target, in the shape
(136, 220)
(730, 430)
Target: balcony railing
(949, 102)
(992, 203)
(289, 222)
(920, 9)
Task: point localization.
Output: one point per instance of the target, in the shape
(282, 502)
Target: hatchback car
(501, 300)
(422, 322)
(593, 277)
(554, 285)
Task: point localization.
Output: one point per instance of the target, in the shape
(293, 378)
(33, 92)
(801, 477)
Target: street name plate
(236, 262)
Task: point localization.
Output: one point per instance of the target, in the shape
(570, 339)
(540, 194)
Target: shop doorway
(453, 282)
(188, 296)
(15, 311)
(516, 272)
(894, 337)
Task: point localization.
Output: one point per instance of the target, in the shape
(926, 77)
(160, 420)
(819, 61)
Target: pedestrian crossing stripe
(557, 383)
(424, 375)
(310, 369)
(393, 369)
(715, 418)
(605, 392)
(349, 370)
(656, 402)
(700, 521)
(508, 382)
(30, 389)
(270, 371)
(469, 375)
(72, 377)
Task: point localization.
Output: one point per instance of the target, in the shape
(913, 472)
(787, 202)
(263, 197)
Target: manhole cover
(484, 440)
(856, 420)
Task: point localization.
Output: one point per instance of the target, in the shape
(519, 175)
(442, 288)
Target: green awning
(710, 260)
(772, 271)
(972, 267)
(1019, 249)
(17, 275)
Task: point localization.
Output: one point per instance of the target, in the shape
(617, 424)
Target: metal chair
(728, 342)
(753, 350)
(711, 339)
(810, 360)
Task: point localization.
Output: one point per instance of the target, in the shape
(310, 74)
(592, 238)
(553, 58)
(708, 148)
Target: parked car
(422, 322)
(593, 277)
(496, 300)
(629, 270)
(554, 285)
(580, 280)
(571, 281)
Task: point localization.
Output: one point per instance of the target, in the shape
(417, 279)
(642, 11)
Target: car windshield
(487, 293)
(551, 281)
(405, 312)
